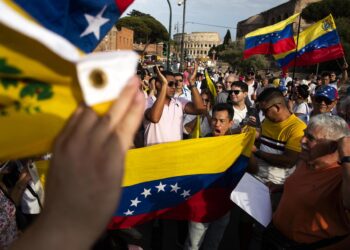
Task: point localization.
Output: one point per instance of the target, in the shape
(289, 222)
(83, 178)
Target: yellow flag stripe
(310, 34)
(188, 157)
(273, 28)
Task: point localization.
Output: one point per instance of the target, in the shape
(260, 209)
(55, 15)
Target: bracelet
(344, 159)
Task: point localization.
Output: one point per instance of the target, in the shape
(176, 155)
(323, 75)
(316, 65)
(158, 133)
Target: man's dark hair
(165, 73)
(178, 74)
(326, 74)
(223, 107)
(303, 91)
(242, 85)
(271, 94)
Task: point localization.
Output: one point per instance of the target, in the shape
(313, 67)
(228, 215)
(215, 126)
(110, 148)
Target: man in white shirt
(163, 120)
(237, 96)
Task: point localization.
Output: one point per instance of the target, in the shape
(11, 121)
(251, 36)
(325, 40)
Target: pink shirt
(170, 126)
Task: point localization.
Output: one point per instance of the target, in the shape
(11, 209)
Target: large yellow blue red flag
(273, 39)
(177, 182)
(43, 80)
(318, 43)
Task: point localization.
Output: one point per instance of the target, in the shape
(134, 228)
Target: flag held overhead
(318, 43)
(273, 39)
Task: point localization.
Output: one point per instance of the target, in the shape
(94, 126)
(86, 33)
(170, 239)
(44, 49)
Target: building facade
(122, 39)
(273, 16)
(197, 44)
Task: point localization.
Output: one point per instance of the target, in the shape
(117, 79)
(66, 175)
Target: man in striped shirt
(279, 142)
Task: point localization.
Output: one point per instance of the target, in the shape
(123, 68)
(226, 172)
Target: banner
(185, 180)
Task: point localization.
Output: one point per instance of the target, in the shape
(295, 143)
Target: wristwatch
(344, 159)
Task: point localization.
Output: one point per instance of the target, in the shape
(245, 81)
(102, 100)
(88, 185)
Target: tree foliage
(146, 28)
(227, 38)
(233, 54)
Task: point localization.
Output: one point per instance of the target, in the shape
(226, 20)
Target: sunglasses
(236, 92)
(171, 84)
(265, 110)
(320, 99)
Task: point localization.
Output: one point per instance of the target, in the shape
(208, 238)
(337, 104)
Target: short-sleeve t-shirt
(170, 126)
(275, 139)
(311, 208)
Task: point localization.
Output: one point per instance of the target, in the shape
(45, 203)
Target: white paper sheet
(253, 197)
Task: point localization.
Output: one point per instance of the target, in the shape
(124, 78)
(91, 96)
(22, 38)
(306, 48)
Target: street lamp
(182, 2)
(168, 49)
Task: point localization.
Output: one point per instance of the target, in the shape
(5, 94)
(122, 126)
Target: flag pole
(317, 68)
(296, 51)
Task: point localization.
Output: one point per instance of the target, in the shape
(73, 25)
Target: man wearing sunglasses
(163, 120)
(324, 100)
(243, 114)
(181, 89)
(279, 140)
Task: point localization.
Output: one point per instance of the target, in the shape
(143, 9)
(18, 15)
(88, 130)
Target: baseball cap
(328, 92)
(282, 88)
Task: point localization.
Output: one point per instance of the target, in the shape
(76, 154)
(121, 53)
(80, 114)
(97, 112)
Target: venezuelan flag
(274, 39)
(83, 22)
(318, 43)
(39, 86)
(185, 180)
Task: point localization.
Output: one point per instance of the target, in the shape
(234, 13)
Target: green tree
(146, 28)
(227, 38)
(340, 10)
(233, 54)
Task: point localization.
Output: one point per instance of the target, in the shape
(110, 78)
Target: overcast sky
(215, 12)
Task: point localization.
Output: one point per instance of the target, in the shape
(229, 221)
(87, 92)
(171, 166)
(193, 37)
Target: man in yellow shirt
(279, 139)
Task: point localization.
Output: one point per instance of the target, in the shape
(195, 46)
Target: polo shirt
(170, 126)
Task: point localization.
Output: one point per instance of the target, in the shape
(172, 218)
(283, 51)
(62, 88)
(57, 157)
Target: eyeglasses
(219, 87)
(236, 92)
(320, 99)
(179, 80)
(171, 84)
(309, 136)
(265, 110)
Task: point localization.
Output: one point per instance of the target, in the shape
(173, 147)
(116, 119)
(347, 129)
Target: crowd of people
(302, 153)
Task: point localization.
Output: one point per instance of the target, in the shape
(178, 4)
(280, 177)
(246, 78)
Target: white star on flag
(161, 187)
(174, 188)
(129, 212)
(95, 23)
(135, 202)
(185, 193)
(146, 192)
